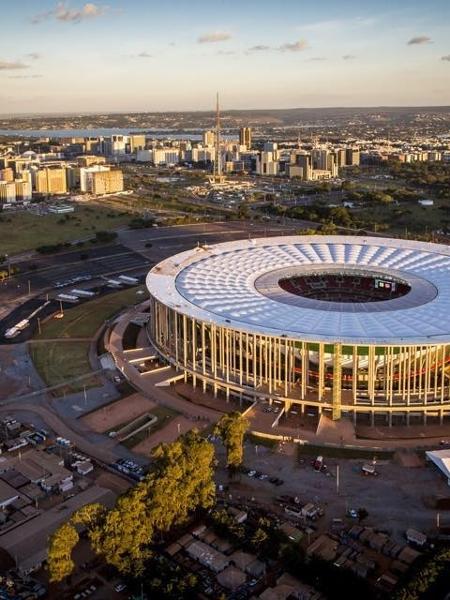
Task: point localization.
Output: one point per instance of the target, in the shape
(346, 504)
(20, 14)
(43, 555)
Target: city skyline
(137, 56)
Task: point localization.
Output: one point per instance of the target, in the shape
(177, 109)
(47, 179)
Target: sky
(166, 55)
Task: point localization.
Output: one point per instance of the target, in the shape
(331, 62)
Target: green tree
(122, 536)
(231, 429)
(182, 480)
(62, 542)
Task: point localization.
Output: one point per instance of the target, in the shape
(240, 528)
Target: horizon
(115, 57)
(222, 110)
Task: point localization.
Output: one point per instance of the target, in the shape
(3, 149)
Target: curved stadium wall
(335, 325)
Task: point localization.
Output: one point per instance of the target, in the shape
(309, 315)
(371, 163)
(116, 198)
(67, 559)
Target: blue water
(101, 131)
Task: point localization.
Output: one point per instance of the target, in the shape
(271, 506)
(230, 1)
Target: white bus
(67, 298)
(129, 280)
(82, 293)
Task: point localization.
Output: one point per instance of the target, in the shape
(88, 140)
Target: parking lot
(395, 500)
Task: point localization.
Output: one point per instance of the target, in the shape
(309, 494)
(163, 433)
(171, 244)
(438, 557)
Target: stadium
(334, 325)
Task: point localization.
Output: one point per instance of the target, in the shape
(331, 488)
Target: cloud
(144, 55)
(259, 48)
(298, 46)
(6, 65)
(216, 36)
(25, 76)
(62, 12)
(447, 57)
(419, 39)
(349, 57)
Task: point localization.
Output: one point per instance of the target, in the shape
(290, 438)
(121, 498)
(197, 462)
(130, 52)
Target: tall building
(209, 138)
(300, 166)
(50, 180)
(23, 190)
(245, 137)
(137, 142)
(352, 157)
(105, 182)
(7, 192)
(85, 174)
(6, 174)
(115, 145)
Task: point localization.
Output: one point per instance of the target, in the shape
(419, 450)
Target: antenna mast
(217, 165)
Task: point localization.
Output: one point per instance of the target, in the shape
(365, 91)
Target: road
(131, 255)
(100, 450)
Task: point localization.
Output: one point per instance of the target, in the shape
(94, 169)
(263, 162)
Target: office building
(209, 138)
(245, 137)
(352, 157)
(105, 182)
(23, 190)
(50, 180)
(7, 192)
(137, 142)
(7, 174)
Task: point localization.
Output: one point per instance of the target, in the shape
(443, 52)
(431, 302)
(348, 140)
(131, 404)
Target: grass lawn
(26, 231)
(57, 362)
(85, 319)
(164, 414)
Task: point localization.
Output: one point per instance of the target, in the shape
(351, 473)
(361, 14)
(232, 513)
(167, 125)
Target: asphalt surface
(136, 252)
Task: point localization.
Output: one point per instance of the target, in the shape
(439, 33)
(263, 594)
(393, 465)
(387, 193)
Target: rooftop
(236, 284)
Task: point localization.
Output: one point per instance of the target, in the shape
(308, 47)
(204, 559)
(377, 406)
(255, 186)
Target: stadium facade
(328, 324)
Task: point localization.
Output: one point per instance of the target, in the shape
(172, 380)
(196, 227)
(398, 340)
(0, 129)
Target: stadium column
(204, 356)
(176, 341)
(194, 351)
(355, 374)
(321, 372)
(185, 347)
(337, 381)
(286, 367)
(241, 354)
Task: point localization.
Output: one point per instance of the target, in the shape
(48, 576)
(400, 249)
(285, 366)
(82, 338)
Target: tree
(88, 515)
(62, 542)
(182, 480)
(231, 429)
(122, 536)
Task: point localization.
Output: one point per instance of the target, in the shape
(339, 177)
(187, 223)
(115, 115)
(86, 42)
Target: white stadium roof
(235, 284)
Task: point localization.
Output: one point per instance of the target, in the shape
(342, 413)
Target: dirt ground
(409, 458)
(395, 500)
(112, 482)
(118, 413)
(169, 433)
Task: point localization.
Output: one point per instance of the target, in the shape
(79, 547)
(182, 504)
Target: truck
(311, 511)
(128, 280)
(293, 512)
(416, 537)
(369, 469)
(82, 293)
(18, 328)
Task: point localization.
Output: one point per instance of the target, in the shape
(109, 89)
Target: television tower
(217, 174)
